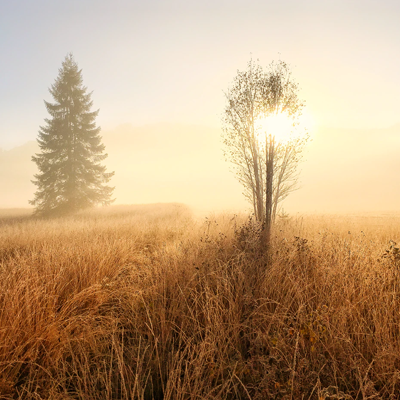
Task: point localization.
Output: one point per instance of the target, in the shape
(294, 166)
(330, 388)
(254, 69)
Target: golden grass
(145, 302)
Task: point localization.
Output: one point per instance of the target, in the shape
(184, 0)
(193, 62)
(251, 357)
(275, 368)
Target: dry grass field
(148, 302)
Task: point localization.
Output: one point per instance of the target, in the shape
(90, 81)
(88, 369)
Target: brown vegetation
(147, 303)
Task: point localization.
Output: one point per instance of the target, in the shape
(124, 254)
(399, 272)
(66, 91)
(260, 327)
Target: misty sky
(158, 70)
(170, 61)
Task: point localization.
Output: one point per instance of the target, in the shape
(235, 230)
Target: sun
(279, 126)
(282, 128)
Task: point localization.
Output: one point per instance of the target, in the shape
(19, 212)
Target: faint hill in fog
(344, 170)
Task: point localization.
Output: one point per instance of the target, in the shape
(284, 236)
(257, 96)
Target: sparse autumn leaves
(265, 165)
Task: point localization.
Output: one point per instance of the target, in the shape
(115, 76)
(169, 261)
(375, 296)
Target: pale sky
(170, 61)
(158, 70)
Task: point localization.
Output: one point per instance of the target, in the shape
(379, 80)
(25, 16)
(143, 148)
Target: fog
(158, 71)
(349, 170)
(343, 170)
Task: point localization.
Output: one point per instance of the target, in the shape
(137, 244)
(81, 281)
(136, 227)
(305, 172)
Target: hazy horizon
(337, 175)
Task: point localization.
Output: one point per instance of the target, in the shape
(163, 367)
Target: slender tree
(71, 176)
(267, 169)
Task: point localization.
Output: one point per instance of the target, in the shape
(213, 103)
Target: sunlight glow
(279, 126)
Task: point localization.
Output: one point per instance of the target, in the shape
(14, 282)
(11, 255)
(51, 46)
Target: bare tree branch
(256, 93)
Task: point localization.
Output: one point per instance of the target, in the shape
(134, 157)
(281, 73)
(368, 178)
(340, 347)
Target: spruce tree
(71, 176)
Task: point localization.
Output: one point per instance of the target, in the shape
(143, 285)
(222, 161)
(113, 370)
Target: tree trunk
(269, 159)
(259, 199)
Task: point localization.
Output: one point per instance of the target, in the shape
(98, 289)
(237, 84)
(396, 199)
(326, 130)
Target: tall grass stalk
(147, 302)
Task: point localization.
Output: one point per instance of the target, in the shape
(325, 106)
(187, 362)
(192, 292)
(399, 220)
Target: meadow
(151, 302)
